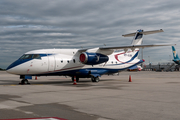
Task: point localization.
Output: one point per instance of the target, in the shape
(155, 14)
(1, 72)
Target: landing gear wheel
(24, 81)
(95, 79)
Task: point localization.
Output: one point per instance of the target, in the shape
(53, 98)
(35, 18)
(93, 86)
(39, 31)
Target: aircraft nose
(11, 67)
(8, 70)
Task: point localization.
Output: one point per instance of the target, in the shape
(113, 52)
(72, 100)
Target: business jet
(80, 63)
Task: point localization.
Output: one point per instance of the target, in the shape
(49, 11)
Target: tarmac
(150, 96)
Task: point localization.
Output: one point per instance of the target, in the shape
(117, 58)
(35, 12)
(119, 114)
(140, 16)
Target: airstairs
(169, 68)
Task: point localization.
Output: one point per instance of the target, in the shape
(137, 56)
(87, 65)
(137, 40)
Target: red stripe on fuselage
(116, 57)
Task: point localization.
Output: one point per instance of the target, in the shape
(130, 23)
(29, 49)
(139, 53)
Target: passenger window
(68, 61)
(74, 60)
(61, 61)
(36, 56)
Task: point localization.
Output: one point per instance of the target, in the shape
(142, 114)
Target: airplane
(175, 55)
(81, 63)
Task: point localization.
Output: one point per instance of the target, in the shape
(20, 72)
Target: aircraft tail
(175, 55)
(138, 35)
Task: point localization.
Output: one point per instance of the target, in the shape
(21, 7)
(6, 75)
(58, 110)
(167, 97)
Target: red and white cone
(130, 78)
(74, 80)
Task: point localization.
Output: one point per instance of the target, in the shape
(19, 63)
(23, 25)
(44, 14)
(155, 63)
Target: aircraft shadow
(51, 82)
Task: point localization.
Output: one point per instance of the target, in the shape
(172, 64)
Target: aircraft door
(52, 64)
(58, 62)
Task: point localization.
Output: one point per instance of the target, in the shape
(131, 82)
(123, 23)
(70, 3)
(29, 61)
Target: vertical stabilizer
(175, 55)
(138, 36)
(137, 40)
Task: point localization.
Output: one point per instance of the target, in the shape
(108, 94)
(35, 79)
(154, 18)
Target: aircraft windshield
(30, 56)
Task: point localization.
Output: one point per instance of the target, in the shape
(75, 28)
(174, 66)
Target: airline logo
(174, 53)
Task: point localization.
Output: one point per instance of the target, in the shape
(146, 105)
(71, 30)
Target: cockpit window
(30, 56)
(27, 56)
(36, 56)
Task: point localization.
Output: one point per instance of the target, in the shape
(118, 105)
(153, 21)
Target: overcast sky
(39, 24)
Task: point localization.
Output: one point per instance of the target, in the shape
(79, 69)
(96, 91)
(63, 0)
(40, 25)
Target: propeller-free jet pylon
(81, 63)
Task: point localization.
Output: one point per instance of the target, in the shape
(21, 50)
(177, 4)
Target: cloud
(29, 25)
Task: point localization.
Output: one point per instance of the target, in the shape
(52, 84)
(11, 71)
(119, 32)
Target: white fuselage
(57, 61)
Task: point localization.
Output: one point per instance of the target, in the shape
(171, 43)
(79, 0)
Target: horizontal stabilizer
(143, 32)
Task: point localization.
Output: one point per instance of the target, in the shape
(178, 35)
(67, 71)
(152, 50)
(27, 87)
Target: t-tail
(175, 55)
(138, 36)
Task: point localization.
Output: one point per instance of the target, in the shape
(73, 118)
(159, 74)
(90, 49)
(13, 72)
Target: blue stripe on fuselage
(17, 62)
(126, 61)
(20, 61)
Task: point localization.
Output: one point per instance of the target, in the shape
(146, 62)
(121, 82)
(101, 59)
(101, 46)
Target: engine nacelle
(92, 58)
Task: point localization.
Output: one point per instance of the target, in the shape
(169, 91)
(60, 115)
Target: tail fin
(137, 38)
(175, 55)
(138, 35)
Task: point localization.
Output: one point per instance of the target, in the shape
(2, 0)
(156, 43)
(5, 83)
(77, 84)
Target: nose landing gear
(24, 80)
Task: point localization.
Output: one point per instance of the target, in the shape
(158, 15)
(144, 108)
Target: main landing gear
(95, 79)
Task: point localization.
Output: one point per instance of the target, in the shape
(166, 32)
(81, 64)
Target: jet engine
(92, 58)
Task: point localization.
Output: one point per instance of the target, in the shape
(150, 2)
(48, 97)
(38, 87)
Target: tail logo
(174, 53)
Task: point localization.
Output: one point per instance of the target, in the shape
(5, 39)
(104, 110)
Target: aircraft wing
(135, 46)
(110, 50)
(83, 50)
